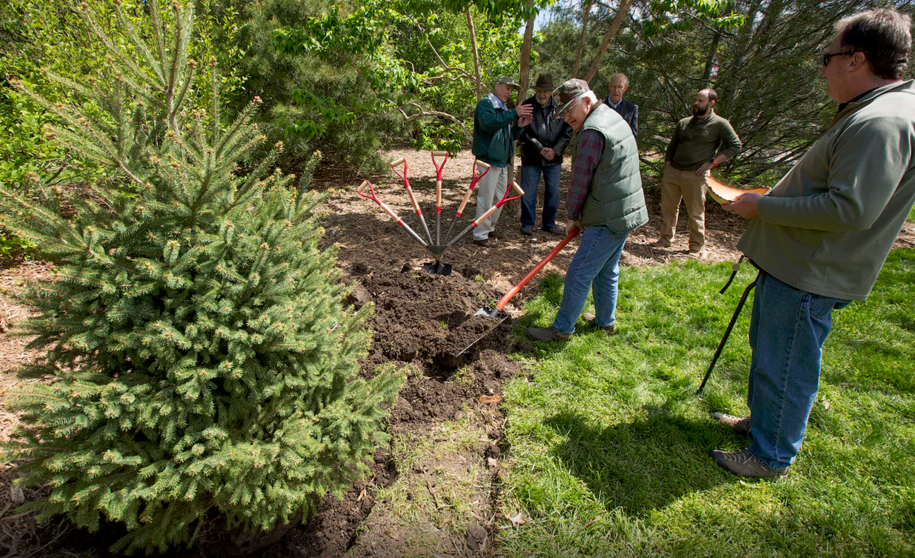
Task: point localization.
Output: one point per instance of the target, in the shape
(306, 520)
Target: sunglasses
(829, 55)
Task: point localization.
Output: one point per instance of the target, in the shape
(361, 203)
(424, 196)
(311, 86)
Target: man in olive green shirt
(821, 236)
(701, 141)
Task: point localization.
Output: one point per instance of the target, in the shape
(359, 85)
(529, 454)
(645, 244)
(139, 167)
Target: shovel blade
(437, 268)
(497, 318)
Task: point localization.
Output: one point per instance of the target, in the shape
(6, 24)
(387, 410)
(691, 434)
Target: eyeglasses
(829, 55)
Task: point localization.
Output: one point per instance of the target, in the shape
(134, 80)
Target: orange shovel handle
(514, 290)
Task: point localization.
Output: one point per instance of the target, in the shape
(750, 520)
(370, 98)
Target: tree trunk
(476, 54)
(525, 78)
(585, 12)
(621, 14)
(710, 58)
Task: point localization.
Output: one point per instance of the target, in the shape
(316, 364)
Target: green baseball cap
(508, 81)
(569, 92)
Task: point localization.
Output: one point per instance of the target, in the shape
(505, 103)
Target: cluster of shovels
(440, 243)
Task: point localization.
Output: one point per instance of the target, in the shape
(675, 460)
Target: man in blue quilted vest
(605, 200)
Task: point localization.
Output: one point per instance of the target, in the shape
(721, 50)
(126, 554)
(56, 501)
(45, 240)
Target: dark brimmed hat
(569, 92)
(508, 81)
(544, 83)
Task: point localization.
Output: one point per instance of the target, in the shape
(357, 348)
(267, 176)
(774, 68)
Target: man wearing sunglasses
(821, 236)
(605, 199)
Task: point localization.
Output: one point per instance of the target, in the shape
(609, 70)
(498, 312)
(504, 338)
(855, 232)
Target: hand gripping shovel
(361, 191)
(496, 313)
(406, 183)
(473, 182)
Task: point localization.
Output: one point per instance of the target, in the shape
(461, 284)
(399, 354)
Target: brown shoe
(556, 229)
(484, 243)
(661, 244)
(547, 334)
(589, 318)
(696, 253)
(745, 464)
(740, 425)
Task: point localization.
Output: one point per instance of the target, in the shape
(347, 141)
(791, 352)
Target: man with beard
(606, 200)
(701, 141)
(542, 144)
(494, 133)
(619, 84)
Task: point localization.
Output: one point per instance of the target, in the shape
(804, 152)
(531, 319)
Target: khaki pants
(690, 187)
(490, 190)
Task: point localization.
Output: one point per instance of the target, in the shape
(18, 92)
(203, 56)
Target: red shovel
(406, 183)
(361, 191)
(438, 193)
(473, 182)
(497, 313)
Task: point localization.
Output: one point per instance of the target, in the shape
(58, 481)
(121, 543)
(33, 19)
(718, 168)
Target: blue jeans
(787, 331)
(530, 179)
(596, 265)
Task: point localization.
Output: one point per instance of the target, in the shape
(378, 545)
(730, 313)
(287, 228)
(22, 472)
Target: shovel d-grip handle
(406, 183)
(530, 275)
(514, 188)
(372, 196)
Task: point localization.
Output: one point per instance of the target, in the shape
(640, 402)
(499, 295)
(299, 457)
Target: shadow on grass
(642, 465)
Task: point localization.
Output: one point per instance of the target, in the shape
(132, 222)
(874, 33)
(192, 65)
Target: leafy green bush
(201, 362)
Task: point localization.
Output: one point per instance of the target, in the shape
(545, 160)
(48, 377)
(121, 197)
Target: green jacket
(697, 141)
(493, 132)
(830, 223)
(615, 198)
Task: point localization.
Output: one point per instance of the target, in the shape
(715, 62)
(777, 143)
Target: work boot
(661, 244)
(482, 242)
(745, 464)
(527, 231)
(589, 318)
(740, 425)
(547, 334)
(555, 229)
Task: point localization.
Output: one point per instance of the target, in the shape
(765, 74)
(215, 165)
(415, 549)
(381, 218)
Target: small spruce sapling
(201, 365)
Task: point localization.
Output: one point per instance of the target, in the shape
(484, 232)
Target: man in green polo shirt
(701, 141)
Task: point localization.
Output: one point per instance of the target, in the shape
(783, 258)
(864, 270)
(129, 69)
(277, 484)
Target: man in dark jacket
(619, 84)
(494, 131)
(542, 144)
(605, 200)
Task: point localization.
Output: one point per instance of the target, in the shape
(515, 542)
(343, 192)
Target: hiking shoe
(547, 334)
(484, 242)
(740, 425)
(527, 231)
(555, 229)
(661, 244)
(745, 464)
(589, 318)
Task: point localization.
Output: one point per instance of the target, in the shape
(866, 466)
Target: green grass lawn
(609, 443)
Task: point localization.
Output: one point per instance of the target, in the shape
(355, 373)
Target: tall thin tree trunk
(585, 13)
(476, 54)
(525, 78)
(710, 58)
(621, 14)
